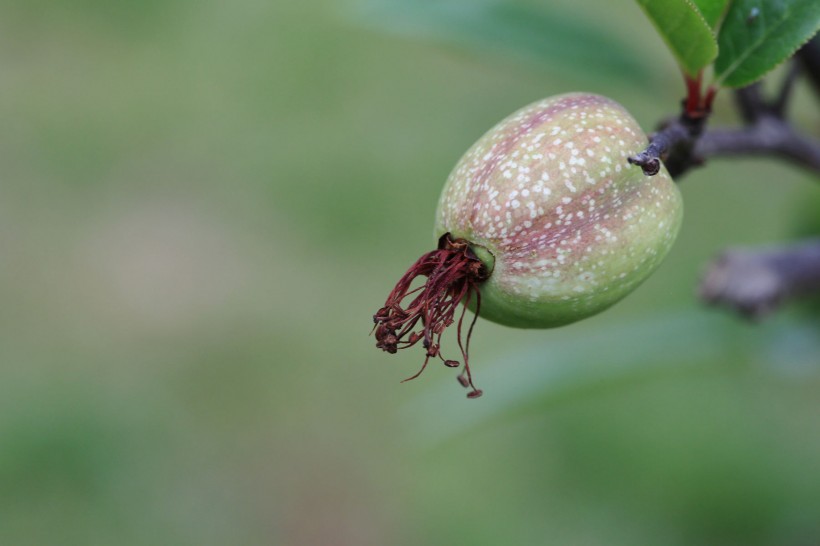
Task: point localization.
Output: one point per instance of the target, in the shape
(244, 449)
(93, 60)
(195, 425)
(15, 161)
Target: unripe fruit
(541, 223)
(572, 227)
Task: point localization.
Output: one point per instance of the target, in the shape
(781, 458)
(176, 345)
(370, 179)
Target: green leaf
(685, 30)
(545, 34)
(712, 10)
(758, 35)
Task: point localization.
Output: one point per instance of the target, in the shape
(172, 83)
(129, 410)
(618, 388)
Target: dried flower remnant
(453, 273)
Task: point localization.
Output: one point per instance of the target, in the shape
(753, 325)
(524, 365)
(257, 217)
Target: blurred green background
(202, 204)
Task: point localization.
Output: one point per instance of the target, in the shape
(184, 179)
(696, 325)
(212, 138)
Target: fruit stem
(674, 142)
(453, 274)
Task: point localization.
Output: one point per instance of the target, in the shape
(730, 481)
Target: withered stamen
(453, 274)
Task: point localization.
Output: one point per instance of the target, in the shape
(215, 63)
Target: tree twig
(682, 144)
(768, 136)
(755, 282)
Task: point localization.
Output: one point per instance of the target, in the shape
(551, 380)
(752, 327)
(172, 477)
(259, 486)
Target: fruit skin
(551, 206)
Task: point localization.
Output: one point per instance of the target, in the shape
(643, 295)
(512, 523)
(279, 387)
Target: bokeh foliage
(204, 202)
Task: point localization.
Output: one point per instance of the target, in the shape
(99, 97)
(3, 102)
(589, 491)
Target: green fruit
(541, 223)
(550, 204)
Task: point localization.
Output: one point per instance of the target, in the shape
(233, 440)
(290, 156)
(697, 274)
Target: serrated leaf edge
(706, 24)
(669, 45)
(696, 9)
(719, 22)
(728, 72)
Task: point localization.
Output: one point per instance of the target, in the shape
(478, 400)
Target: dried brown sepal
(453, 274)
